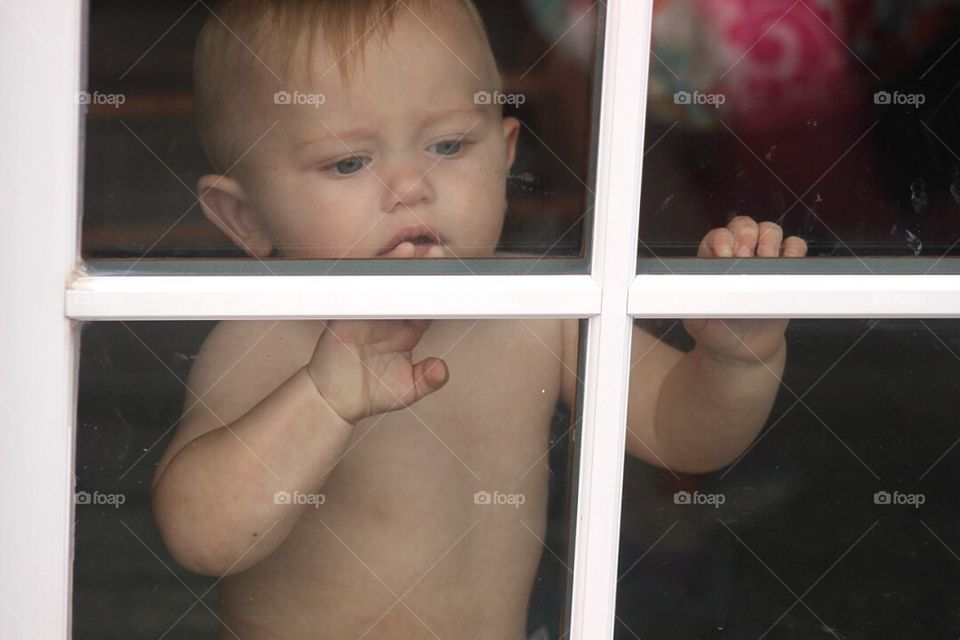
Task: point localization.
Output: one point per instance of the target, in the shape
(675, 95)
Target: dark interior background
(873, 179)
(877, 398)
(799, 500)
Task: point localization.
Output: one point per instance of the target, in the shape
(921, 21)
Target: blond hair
(240, 36)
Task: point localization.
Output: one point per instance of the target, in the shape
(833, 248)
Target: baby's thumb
(429, 375)
(695, 326)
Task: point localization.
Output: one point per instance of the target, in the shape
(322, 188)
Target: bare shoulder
(569, 343)
(239, 364)
(558, 336)
(253, 357)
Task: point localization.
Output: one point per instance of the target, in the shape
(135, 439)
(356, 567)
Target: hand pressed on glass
(743, 237)
(365, 367)
(746, 341)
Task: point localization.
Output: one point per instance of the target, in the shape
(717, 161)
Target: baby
(327, 471)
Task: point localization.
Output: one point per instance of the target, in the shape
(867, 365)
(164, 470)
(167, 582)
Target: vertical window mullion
(607, 369)
(40, 74)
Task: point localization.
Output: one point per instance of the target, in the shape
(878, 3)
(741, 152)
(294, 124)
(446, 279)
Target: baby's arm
(696, 412)
(261, 430)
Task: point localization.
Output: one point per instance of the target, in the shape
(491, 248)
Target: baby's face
(398, 151)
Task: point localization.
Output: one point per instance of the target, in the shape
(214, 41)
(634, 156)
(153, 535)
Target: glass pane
(837, 521)
(839, 120)
(279, 511)
(379, 130)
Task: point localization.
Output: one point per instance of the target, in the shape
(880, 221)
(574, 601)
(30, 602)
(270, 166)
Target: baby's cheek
(477, 226)
(488, 194)
(306, 229)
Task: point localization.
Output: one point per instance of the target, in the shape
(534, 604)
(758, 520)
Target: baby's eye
(349, 166)
(447, 147)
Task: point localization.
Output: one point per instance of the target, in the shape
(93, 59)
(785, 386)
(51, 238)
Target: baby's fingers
(717, 244)
(746, 231)
(744, 238)
(794, 247)
(420, 325)
(436, 251)
(429, 375)
(403, 335)
(768, 244)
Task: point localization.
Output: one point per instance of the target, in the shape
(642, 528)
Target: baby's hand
(410, 250)
(745, 341)
(365, 367)
(744, 238)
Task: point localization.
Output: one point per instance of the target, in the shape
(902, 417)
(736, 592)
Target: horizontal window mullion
(232, 297)
(794, 296)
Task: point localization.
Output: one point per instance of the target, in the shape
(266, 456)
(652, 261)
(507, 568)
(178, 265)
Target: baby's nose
(407, 186)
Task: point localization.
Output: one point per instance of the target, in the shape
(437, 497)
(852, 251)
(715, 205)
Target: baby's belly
(423, 533)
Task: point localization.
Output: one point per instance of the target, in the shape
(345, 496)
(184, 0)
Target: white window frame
(45, 295)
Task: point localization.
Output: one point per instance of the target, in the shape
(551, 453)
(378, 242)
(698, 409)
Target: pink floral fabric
(782, 61)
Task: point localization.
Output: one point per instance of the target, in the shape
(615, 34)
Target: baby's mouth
(419, 247)
(418, 241)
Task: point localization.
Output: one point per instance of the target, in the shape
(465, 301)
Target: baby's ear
(511, 131)
(226, 205)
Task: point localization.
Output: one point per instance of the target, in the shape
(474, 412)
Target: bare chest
(444, 501)
(488, 425)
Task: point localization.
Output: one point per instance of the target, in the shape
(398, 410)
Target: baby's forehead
(262, 48)
(435, 43)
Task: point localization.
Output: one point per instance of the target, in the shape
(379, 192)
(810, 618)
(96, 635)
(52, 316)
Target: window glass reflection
(836, 119)
(230, 483)
(461, 130)
(838, 521)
